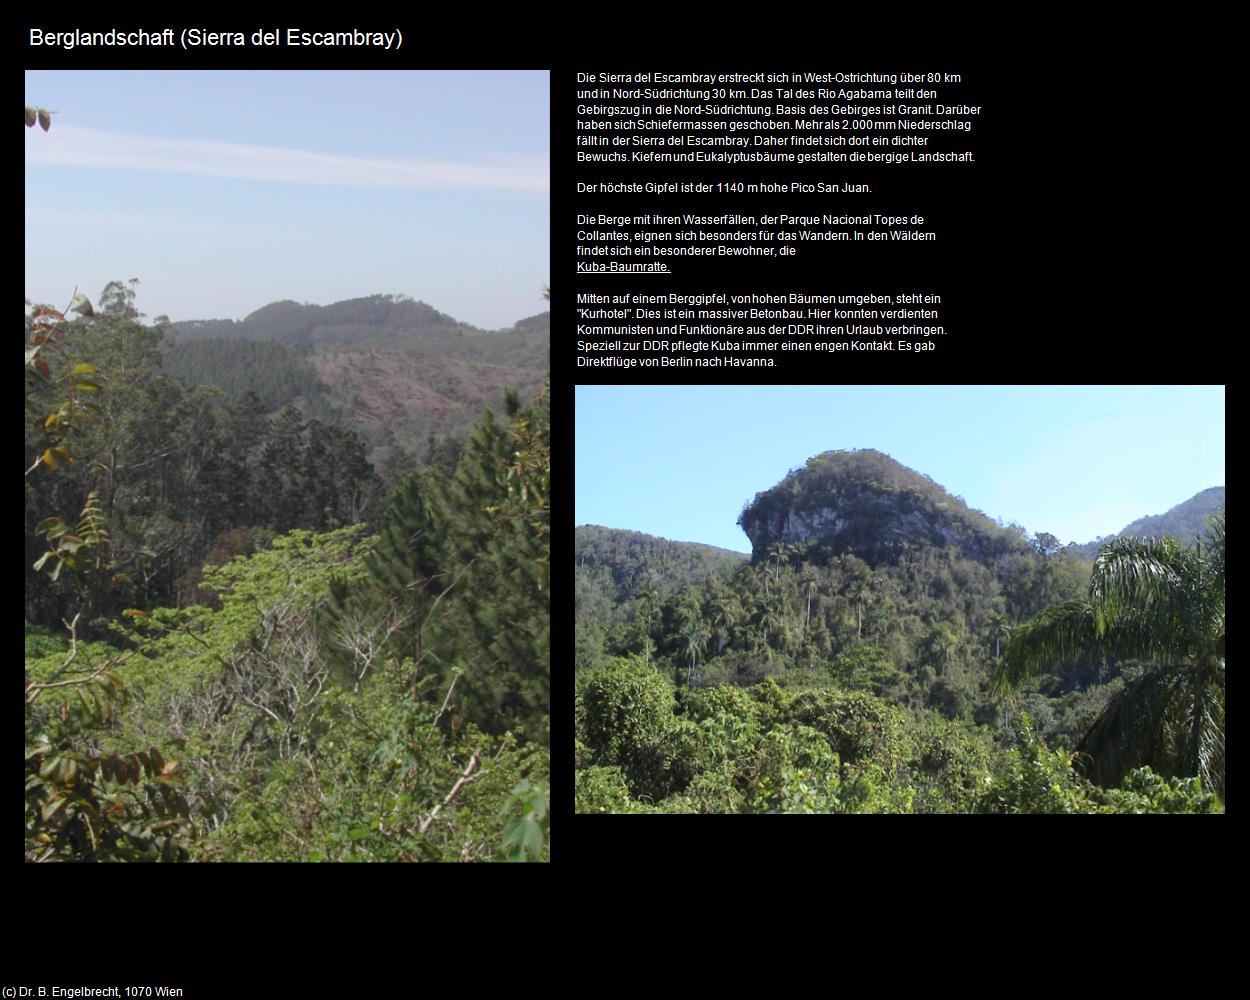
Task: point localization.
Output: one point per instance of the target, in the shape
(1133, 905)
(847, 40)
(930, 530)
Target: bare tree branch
(463, 780)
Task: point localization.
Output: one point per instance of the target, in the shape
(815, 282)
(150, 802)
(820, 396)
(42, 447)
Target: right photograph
(984, 599)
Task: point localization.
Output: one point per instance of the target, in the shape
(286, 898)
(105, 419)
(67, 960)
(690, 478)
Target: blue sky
(1076, 461)
(224, 191)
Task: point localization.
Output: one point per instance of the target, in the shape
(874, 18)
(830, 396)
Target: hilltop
(865, 503)
(397, 370)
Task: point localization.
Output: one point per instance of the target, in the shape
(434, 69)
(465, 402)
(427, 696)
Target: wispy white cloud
(86, 147)
(51, 217)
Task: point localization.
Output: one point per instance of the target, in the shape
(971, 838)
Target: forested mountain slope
(379, 321)
(614, 567)
(401, 373)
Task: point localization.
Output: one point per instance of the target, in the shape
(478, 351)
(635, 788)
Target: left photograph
(287, 466)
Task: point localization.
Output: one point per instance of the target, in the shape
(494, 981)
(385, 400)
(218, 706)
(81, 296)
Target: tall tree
(1160, 603)
(469, 560)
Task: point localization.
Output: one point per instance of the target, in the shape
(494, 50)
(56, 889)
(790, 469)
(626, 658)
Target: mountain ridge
(398, 370)
(1185, 522)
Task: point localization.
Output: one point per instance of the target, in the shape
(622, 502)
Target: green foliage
(524, 835)
(413, 381)
(81, 804)
(793, 770)
(465, 566)
(621, 708)
(603, 790)
(288, 765)
(1033, 779)
(82, 551)
(867, 668)
(616, 567)
(277, 374)
(950, 766)
(1143, 791)
(328, 695)
(859, 727)
(115, 807)
(172, 472)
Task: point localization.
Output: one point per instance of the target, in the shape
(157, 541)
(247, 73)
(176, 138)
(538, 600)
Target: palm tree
(1160, 603)
(863, 593)
(810, 583)
(648, 615)
(725, 611)
(694, 634)
(769, 616)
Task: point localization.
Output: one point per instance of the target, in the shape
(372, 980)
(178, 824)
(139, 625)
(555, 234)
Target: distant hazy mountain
(1184, 522)
(396, 369)
(378, 321)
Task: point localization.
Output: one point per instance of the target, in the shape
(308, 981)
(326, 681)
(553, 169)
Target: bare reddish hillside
(415, 393)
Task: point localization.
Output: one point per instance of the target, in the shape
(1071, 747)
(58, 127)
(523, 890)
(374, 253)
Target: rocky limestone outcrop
(867, 504)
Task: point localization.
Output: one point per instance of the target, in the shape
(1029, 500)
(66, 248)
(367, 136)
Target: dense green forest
(244, 642)
(887, 649)
(275, 373)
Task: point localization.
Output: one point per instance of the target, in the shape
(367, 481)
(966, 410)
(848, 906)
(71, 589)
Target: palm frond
(1130, 730)
(1142, 573)
(1062, 634)
(1216, 525)
(1136, 634)
(1169, 720)
(1205, 752)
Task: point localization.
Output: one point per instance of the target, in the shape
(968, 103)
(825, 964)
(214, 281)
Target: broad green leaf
(52, 807)
(523, 838)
